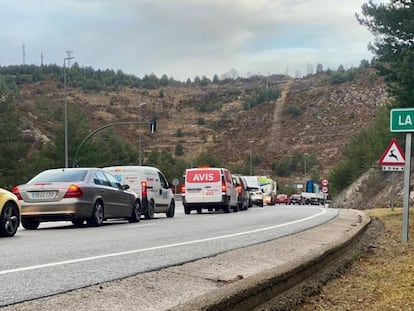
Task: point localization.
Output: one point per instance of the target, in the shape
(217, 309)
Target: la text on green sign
(402, 120)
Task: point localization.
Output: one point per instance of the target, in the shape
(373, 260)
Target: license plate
(39, 195)
(193, 190)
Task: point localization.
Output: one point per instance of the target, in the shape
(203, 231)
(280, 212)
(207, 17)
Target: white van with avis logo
(210, 188)
(154, 191)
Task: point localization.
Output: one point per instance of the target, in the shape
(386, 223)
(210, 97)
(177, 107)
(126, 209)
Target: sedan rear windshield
(59, 176)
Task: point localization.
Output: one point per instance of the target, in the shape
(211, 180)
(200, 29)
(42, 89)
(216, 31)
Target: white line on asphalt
(142, 250)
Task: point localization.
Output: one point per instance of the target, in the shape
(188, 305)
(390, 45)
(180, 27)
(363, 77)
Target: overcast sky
(185, 38)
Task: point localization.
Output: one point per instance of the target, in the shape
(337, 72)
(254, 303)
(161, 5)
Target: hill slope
(312, 116)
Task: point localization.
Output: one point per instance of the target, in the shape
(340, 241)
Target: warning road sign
(393, 155)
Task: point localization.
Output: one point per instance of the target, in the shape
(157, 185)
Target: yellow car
(9, 213)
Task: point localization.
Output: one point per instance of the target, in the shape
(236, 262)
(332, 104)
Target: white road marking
(142, 250)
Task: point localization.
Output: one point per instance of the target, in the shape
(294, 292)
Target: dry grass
(380, 279)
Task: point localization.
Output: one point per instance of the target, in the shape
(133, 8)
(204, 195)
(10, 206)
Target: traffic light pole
(152, 128)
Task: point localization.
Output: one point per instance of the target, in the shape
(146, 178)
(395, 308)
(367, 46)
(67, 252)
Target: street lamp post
(304, 159)
(139, 134)
(66, 109)
(250, 160)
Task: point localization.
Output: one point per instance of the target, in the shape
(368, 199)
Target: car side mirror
(125, 187)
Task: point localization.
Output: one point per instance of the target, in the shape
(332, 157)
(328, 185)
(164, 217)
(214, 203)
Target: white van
(210, 188)
(150, 184)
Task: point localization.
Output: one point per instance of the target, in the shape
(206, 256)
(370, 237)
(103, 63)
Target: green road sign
(402, 120)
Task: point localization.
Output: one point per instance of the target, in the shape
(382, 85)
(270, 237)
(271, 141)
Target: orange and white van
(209, 187)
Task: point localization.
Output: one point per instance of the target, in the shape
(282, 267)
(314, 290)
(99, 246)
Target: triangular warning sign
(393, 155)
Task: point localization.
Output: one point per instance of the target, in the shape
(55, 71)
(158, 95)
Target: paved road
(59, 257)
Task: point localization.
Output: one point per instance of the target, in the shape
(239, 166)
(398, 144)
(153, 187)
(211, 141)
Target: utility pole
(69, 57)
(24, 54)
(139, 132)
(304, 160)
(66, 106)
(250, 160)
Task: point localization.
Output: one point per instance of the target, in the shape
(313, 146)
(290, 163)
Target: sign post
(406, 197)
(402, 120)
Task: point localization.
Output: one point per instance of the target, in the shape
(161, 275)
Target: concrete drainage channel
(286, 285)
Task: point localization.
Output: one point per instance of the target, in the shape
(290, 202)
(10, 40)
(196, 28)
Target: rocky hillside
(312, 115)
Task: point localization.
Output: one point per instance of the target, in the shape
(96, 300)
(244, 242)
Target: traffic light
(153, 126)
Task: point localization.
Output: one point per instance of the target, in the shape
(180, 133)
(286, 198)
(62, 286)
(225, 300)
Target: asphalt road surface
(59, 257)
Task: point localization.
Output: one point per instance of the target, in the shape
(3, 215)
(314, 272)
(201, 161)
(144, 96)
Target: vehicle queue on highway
(93, 195)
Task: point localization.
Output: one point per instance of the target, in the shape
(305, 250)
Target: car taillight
(223, 187)
(17, 193)
(143, 188)
(73, 192)
(239, 189)
(183, 189)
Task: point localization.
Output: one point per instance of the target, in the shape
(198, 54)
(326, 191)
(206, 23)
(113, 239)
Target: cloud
(186, 38)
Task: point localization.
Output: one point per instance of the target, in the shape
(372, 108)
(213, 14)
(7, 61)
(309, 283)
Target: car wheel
(187, 210)
(150, 211)
(171, 210)
(226, 207)
(97, 216)
(136, 212)
(236, 208)
(199, 210)
(9, 220)
(78, 222)
(30, 224)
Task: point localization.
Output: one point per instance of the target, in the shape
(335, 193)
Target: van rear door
(203, 185)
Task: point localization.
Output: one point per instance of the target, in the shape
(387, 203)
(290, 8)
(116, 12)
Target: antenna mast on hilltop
(24, 54)
(41, 59)
(69, 56)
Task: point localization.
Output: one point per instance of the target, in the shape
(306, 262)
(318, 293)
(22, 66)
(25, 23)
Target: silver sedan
(77, 195)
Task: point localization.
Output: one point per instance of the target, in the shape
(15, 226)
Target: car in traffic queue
(256, 194)
(296, 199)
(9, 213)
(269, 189)
(210, 188)
(243, 194)
(282, 198)
(76, 195)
